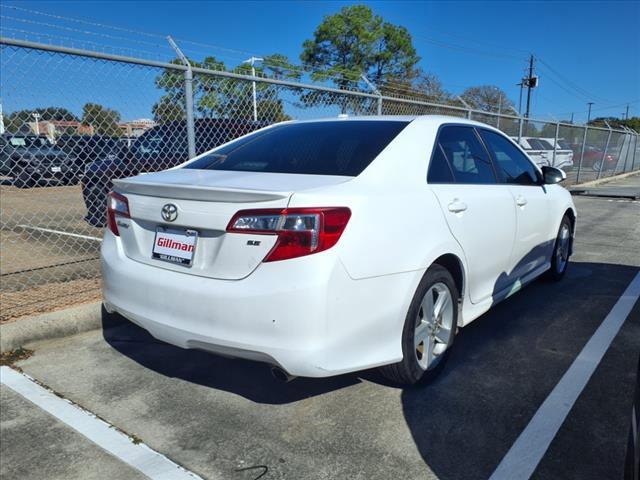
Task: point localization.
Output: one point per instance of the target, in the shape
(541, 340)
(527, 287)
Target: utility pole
(36, 116)
(626, 115)
(589, 114)
(521, 84)
(251, 61)
(572, 117)
(531, 82)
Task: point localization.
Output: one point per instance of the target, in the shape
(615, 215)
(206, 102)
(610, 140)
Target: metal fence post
(467, 106)
(584, 143)
(627, 140)
(635, 148)
(555, 142)
(520, 127)
(606, 147)
(375, 90)
(188, 98)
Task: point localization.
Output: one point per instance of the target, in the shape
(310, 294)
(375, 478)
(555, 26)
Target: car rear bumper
(305, 315)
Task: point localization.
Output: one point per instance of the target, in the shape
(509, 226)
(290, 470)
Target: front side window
(343, 147)
(514, 166)
(467, 156)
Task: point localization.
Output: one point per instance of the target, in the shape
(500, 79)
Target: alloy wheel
(434, 326)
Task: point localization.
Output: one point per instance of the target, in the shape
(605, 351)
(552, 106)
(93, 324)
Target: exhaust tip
(281, 375)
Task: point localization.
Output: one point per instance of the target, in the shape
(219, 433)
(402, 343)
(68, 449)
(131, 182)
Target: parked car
(540, 150)
(159, 148)
(593, 157)
(87, 148)
(331, 246)
(563, 152)
(32, 158)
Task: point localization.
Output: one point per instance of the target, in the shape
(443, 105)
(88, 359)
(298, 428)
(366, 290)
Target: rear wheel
(429, 329)
(561, 250)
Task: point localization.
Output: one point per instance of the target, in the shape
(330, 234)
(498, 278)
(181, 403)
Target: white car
(541, 151)
(331, 246)
(563, 153)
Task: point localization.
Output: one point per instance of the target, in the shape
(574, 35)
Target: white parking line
(139, 456)
(525, 454)
(59, 232)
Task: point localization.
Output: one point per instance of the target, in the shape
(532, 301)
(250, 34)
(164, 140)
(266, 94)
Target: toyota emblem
(169, 212)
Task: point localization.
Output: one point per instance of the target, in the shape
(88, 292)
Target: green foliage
(220, 97)
(103, 120)
(617, 123)
(354, 42)
(18, 120)
(488, 98)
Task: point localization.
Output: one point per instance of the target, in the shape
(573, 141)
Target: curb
(58, 324)
(592, 183)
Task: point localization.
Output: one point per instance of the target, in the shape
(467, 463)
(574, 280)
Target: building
(54, 128)
(135, 128)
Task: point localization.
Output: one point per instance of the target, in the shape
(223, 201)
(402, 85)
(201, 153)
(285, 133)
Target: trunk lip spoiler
(198, 193)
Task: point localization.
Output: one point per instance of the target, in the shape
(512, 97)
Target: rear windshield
(319, 148)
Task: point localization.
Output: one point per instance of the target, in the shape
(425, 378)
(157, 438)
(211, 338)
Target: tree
(103, 120)
(617, 123)
(419, 85)
(355, 42)
(487, 98)
(18, 120)
(221, 97)
(167, 110)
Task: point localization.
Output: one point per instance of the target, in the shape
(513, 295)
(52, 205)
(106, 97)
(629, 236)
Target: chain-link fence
(64, 140)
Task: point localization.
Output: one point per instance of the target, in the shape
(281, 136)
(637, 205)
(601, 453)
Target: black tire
(558, 268)
(408, 371)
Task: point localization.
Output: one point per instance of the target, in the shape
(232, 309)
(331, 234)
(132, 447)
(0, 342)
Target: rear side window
(344, 147)
(536, 144)
(439, 170)
(511, 162)
(467, 156)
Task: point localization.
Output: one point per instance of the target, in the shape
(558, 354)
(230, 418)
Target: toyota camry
(329, 246)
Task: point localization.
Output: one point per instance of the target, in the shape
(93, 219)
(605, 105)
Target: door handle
(521, 201)
(457, 206)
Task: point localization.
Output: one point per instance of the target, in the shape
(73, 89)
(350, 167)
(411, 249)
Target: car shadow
(464, 420)
(503, 366)
(251, 380)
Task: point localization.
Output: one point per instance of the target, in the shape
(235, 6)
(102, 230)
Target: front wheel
(429, 328)
(561, 250)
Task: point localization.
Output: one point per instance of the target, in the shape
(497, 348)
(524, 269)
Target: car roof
(433, 120)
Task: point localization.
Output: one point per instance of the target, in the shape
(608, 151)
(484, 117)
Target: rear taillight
(117, 206)
(300, 231)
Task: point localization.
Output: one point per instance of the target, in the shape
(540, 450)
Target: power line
(572, 84)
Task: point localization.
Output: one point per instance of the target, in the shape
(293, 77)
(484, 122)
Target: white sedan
(330, 246)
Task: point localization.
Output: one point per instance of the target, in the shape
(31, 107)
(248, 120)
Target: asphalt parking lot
(216, 416)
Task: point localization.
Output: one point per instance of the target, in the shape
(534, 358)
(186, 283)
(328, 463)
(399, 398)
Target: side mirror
(551, 175)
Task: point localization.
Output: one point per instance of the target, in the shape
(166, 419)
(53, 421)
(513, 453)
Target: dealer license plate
(175, 246)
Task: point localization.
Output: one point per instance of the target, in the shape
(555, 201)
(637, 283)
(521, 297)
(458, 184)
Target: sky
(586, 51)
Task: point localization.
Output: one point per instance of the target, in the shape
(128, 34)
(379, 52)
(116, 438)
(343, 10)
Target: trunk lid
(205, 201)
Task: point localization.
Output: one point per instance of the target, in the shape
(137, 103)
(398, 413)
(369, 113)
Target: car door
(533, 244)
(479, 211)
